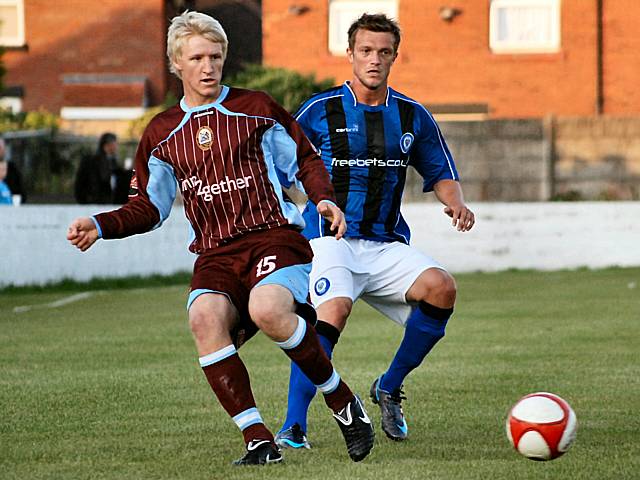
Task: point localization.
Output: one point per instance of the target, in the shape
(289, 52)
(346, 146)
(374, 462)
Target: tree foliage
(137, 126)
(32, 120)
(287, 87)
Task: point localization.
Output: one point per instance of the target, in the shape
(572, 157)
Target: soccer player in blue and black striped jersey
(368, 135)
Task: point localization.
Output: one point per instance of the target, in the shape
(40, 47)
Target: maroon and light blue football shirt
(230, 160)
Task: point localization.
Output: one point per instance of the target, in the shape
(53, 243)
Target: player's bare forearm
(450, 194)
(333, 213)
(82, 233)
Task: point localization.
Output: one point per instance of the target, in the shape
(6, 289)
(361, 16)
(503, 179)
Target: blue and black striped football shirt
(367, 151)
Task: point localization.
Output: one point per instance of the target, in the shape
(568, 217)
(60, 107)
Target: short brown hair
(378, 22)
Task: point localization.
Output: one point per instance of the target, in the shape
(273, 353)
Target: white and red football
(541, 426)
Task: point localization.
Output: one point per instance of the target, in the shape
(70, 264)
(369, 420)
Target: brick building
(479, 58)
(96, 63)
(101, 63)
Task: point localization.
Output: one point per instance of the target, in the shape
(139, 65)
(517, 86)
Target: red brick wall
(69, 36)
(621, 57)
(117, 94)
(442, 62)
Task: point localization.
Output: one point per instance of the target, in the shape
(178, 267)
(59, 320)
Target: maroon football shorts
(233, 269)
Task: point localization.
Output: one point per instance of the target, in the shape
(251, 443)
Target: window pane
(8, 21)
(525, 25)
(342, 14)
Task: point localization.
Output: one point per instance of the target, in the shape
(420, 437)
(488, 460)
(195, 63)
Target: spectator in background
(5, 193)
(121, 181)
(13, 178)
(93, 180)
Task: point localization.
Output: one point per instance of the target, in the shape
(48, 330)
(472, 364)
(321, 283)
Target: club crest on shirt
(322, 286)
(204, 138)
(406, 141)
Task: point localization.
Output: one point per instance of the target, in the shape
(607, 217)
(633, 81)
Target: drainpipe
(599, 59)
(548, 187)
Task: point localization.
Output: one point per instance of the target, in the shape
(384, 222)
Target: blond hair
(188, 24)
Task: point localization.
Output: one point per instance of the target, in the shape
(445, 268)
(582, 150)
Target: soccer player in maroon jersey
(232, 153)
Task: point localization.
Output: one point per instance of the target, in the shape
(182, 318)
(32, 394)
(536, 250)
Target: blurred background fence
(596, 158)
(48, 161)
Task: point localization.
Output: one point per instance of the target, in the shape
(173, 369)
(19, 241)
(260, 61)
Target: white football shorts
(380, 273)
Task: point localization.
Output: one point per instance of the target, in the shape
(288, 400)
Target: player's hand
(461, 217)
(332, 213)
(82, 233)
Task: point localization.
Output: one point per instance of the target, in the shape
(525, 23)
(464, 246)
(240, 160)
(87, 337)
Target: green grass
(109, 386)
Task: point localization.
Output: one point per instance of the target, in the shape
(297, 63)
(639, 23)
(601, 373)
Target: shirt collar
(347, 86)
(223, 94)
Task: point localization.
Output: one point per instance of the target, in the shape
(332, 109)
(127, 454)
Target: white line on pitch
(58, 303)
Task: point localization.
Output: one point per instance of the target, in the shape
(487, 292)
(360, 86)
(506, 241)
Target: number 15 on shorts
(266, 265)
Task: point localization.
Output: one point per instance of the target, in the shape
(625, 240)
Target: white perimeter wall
(546, 236)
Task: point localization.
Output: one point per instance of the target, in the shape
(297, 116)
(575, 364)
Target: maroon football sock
(257, 431)
(229, 380)
(315, 364)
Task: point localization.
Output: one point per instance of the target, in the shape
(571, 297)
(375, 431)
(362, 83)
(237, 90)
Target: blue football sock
(301, 389)
(425, 327)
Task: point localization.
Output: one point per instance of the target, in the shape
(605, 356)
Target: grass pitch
(106, 384)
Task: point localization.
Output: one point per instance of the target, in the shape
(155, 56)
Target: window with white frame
(13, 104)
(342, 13)
(11, 23)
(524, 26)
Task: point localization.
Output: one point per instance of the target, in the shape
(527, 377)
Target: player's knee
(335, 311)
(438, 288)
(447, 290)
(201, 322)
(264, 316)
(266, 308)
(211, 315)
